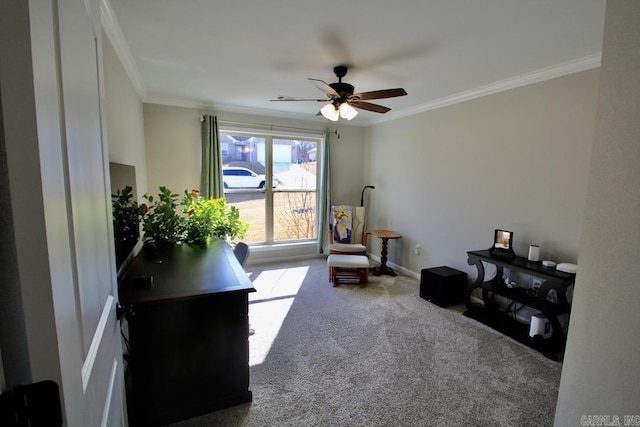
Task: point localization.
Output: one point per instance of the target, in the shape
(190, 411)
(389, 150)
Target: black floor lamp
(362, 196)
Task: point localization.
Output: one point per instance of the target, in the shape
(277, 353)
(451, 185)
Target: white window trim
(269, 134)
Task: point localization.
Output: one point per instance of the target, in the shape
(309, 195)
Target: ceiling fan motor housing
(344, 89)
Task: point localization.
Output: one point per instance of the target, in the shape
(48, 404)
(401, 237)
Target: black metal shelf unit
(550, 299)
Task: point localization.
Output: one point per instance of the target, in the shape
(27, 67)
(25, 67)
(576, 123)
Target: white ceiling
(236, 55)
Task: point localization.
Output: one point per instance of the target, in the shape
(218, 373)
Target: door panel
(85, 166)
(89, 208)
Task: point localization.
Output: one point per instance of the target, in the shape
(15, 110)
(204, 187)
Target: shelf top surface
(524, 265)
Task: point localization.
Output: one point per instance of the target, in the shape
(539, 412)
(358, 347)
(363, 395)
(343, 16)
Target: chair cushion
(347, 247)
(348, 261)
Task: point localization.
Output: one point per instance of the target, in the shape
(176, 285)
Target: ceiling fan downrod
(344, 89)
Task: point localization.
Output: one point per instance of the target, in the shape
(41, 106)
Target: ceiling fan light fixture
(347, 111)
(329, 111)
(343, 102)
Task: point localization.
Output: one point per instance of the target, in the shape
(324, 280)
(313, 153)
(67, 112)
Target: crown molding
(114, 33)
(581, 64)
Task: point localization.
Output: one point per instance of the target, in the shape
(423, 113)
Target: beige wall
(445, 178)
(517, 160)
(173, 147)
(174, 141)
(601, 372)
(125, 130)
(173, 155)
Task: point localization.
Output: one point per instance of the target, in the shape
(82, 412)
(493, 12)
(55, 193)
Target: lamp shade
(330, 112)
(347, 111)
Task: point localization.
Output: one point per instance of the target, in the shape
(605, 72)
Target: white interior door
(98, 397)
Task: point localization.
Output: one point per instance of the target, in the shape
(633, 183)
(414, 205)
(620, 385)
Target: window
(284, 211)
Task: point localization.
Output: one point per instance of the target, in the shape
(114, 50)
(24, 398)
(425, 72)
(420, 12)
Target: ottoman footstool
(348, 269)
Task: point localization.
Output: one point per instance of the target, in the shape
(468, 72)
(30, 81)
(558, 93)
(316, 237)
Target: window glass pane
(284, 211)
(252, 208)
(295, 215)
(294, 203)
(244, 176)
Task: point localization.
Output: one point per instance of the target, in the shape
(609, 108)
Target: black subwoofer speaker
(443, 286)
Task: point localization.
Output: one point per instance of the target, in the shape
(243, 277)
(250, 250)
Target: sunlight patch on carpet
(268, 307)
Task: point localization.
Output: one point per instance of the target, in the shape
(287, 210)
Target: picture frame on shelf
(502, 245)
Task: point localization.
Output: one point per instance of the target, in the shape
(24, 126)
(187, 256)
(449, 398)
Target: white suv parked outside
(237, 177)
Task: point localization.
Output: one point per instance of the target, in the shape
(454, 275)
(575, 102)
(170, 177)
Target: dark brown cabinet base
(189, 351)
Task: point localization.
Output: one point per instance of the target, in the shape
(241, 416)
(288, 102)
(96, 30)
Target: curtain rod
(270, 127)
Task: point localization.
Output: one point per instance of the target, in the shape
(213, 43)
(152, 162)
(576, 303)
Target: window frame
(269, 136)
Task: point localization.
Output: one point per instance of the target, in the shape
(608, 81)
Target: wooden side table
(385, 235)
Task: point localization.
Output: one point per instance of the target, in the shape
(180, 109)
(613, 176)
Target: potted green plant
(161, 222)
(126, 222)
(210, 218)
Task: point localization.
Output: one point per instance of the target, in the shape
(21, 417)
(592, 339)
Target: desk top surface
(180, 271)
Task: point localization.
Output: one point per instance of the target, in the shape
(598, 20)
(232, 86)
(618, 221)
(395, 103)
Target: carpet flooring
(379, 356)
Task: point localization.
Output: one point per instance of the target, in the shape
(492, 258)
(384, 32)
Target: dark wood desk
(188, 333)
(385, 235)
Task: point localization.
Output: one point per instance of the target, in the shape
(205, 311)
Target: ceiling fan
(342, 102)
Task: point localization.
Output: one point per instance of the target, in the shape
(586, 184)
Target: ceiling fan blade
(295, 98)
(331, 93)
(369, 106)
(379, 94)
